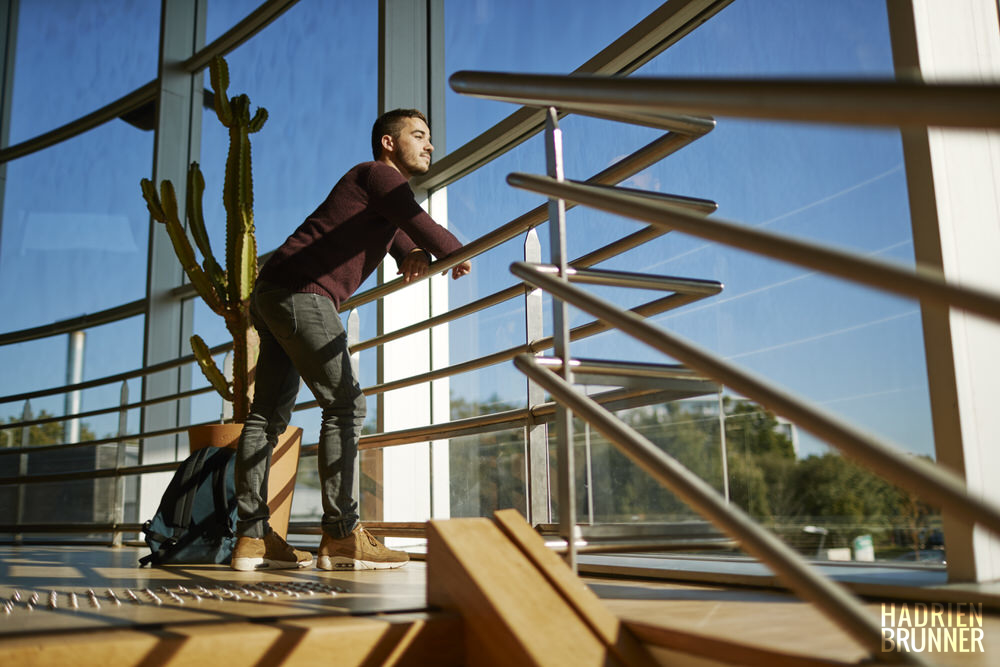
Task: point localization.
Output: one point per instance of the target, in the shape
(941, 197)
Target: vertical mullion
(175, 145)
(539, 505)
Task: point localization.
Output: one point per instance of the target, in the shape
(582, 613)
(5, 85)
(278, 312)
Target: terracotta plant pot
(284, 465)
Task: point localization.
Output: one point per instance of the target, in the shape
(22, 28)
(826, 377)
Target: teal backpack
(196, 519)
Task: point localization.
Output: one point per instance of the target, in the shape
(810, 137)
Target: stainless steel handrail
(654, 307)
(886, 102)
(137, 98)
(933, 484)
(614, 400)
(893, 103)
(109, 379)
(106, 411)
(646, 156)
(498, 421)
(635, 369)
(124, 311)
(682, 381)
(921, 283)
(101, 473)
(253, 23)
(637, 280)
(244, 30)
(599, 255)
(130, 437)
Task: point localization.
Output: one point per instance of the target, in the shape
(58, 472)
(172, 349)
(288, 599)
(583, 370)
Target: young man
(369, 212)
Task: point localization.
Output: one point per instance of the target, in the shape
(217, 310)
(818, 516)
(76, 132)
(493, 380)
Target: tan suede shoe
(358, 551)
(270, 552)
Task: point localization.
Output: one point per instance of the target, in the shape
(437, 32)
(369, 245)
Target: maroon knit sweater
(369, 212)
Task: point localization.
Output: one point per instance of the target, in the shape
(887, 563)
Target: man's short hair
(391, 123)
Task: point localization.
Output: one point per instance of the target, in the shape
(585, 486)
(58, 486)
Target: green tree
(689, 432)
(77, 500)
(50, 433)
(761, 461)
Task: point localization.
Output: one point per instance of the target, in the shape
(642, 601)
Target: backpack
(196, 519)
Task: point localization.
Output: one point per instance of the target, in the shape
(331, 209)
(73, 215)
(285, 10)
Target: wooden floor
(177, 594)
(217, 594)
(767, 620)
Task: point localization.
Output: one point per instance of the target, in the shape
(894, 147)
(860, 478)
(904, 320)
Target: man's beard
(418, 166)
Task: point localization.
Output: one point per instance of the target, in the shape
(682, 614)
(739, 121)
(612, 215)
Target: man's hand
(460, 270)
(415, 265)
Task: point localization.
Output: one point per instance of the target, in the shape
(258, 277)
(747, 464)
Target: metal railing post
(22, 470)
(119, 506)
(560, 335)
(588, 464)
(833, 599)
(724, 452)
(539, 505)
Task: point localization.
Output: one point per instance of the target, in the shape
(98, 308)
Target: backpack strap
(223, 505)
(183, 520)
(157, 556)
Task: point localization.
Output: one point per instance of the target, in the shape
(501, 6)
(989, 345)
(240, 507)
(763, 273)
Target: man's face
(412, 154)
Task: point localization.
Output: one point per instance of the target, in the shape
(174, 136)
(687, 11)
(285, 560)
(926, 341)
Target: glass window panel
(319, 117)
(824, 338)
(855, 351)
(307, 503)
(488, 390)
(77, 501)
(31, 366)
(75, 57)
(475, 207)
(852, 350)
(613, 489)
(221, 15)
(524, 36)
(107, 350)
(8, 494)
(40, 364)
(487, 472)
(75, 221)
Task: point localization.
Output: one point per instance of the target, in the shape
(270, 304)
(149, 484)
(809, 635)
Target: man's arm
(413, 262)
(416, 264)
(391, 196)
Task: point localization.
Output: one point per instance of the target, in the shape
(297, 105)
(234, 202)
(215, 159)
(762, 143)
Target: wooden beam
(512, 614)
(581, 599)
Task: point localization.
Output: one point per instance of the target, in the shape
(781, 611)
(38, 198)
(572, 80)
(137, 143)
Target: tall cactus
(227, 292)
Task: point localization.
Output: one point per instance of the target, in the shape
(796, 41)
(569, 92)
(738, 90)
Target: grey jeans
(301, 335)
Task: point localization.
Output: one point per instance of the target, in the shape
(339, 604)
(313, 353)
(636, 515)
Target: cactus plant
(225, 291)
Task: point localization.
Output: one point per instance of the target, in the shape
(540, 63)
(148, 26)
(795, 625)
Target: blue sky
(75, 223)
